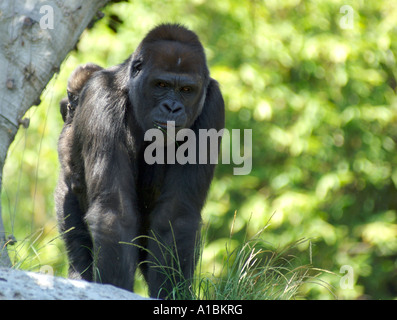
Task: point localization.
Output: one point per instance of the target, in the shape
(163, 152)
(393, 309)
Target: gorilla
(76, 83)
(115, 211)
(68, 106)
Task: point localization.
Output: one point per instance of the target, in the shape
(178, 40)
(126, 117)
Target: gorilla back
(120, 197)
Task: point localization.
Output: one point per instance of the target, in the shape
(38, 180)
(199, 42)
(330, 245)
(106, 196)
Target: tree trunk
(35, 37)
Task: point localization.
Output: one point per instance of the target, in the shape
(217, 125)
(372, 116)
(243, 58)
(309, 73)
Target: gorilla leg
(172, 251)
(115, 256)
(75, 233)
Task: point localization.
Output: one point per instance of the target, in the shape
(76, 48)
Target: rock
(23, 285)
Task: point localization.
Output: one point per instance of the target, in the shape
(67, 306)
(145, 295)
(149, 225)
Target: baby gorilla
(76, 82)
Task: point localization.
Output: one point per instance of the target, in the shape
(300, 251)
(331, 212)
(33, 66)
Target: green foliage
(321, 103)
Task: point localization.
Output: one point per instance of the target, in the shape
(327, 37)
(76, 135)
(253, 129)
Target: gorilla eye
(186, 89)
(161, 84)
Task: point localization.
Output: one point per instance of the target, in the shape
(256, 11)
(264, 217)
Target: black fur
(118, 195)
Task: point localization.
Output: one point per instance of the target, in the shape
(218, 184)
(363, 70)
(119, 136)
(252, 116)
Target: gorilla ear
(213, 112)
(136, 67)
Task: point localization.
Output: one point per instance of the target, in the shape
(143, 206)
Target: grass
(253, 270)
(30, 252)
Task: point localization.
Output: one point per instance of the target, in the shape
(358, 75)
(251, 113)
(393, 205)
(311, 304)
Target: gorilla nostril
(167, 107)
(172, 107)
(176, 108)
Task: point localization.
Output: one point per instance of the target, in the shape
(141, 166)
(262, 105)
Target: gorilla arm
(110, 198)
(69, 211)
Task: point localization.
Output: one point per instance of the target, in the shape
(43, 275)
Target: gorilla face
(167, 84)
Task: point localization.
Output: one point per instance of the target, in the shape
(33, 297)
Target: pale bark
(35, 37)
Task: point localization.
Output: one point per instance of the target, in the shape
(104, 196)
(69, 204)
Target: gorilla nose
(171, 106)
